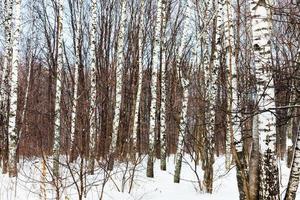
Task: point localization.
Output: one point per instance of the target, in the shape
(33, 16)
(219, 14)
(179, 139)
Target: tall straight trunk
(218, 45)
(183, 77)
(58, 90)
(155, 67)
(295, 171)
(119, 74)
(93, 91)
(261, 31)
(230, 66)
(163, 132)
(234, 142)
(289, 129)
(13, 79)
(4, 96)
(290, 113)
(140, 80)
(210, 76)
(76, 75)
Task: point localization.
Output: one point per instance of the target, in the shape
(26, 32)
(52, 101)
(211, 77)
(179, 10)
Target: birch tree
(184, 81)
(155, 66)
(93, 92)
(163, 148)
(76, 71)
(234, 142)
(210, 76)
(58, 89)
(13, 79)
(118, 90)
(140, 78)
(261, 31)
(8, 9)
(295, 171)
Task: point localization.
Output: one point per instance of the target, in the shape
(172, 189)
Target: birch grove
(96, 95)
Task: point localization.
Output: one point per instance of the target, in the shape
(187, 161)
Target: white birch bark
(13, 79)
(290, 113)
(6, 68)
(119, 73)
(184, 81)
(229, 70)
(234, 143)
(140, 79)
(290, 125)
(93, 92)
(58, 93)
(155, 67)
(233, 114)
(163, 139)
(261, 30)
(211, 72)
(295, 171)
(76, 68)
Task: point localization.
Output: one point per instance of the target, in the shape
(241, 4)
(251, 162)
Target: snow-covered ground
(28, 187)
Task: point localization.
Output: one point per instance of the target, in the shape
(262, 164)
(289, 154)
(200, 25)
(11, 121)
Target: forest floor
(28, 186)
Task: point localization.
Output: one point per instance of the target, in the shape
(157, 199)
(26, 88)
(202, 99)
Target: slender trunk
(210, 76)
(184, 84)
(140, 80)
(234, 142)
(163, 132)
(93, 92)
(155, 67)
(58, 91)
(119, 77)
(4, 96)
(295, 171)
(182, 128)
(13, 79)
(76, 76)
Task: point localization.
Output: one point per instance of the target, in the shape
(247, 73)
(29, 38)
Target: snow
(161, 187)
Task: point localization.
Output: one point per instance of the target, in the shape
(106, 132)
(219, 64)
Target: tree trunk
(261, 29)
(119, 79)
(4, 95)
(58, 91)
(140, 81)
(295, 171)
(234, 141)
(12, 120)
(155, 66)
(183, 77)
(76, 77)
(93, 92)
(163, 132)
